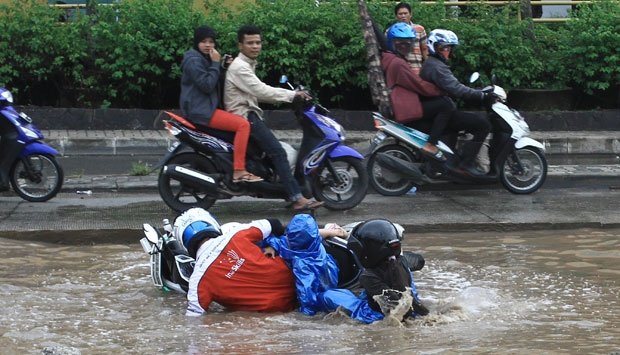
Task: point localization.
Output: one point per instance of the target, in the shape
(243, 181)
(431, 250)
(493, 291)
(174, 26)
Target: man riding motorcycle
(441, 44)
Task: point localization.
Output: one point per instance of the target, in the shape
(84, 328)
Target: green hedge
(128, 55)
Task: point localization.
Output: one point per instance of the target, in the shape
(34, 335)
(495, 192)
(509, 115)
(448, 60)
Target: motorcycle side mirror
(474, 77)
(493, 79)
(283, 79)
(150, 233)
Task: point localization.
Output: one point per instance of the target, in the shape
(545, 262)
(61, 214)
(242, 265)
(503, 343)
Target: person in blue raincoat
(316, 272)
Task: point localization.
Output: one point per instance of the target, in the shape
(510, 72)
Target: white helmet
(439, 36)
(193, 226)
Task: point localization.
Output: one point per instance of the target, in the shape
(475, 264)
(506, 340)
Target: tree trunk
(376, 78)
(526, 13)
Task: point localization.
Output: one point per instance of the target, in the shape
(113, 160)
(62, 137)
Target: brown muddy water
(530, 292)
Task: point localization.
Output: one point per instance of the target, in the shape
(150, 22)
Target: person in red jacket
(230, 268)
(416, 103)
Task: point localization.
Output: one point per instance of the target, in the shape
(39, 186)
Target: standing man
(419, 50)
(242, 92)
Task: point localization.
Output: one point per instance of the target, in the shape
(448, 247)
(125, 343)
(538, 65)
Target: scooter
(35, 174)
(396, 165)
(198, 170)
(171, 267)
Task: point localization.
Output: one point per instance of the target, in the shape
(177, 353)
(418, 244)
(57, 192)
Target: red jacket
(406, 86)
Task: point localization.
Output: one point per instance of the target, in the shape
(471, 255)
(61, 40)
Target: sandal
(310, 205)
(248, 177)
(437, 155)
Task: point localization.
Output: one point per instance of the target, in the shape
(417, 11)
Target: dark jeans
(442, 117)
(268, 143)
(437, 114)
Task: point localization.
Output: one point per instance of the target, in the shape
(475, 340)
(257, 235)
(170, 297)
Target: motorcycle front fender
(37, 148)
(527, 141)
(345, 151)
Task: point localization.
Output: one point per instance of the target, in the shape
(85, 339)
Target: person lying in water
(316, 271)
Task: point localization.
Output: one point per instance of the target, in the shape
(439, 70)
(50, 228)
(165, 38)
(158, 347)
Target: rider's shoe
(4, 182)
(471, 170)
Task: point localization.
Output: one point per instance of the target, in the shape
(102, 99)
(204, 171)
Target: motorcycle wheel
(384, 180)
(526, 177)
(181, 197)
(38, 178)
(350, 192)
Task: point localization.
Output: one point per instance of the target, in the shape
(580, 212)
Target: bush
(588, 47)
(128, 54)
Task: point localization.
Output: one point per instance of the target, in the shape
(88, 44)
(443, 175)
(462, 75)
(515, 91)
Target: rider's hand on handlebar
(303, 95)
(489, 98)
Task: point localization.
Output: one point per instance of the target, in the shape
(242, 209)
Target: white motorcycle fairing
(527, 141)
(513, 118)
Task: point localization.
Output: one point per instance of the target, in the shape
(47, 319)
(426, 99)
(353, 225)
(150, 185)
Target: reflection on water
(555, 291)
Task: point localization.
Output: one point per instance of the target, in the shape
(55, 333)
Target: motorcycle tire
(350, 192)
(384, 180)
(181, 197)
(38, 178)
(526, 177)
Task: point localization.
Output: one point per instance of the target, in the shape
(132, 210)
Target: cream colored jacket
(243, 90)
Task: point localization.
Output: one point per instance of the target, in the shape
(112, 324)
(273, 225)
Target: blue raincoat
(316, 272)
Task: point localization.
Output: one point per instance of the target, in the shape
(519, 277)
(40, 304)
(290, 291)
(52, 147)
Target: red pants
(227, 121)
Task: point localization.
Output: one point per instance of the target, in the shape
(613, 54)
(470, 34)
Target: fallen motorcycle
(171, 266)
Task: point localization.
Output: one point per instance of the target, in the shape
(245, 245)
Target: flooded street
(517, 292)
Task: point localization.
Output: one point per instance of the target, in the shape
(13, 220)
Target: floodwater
(521, 293)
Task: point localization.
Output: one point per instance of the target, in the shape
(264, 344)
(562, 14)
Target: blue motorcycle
(35, 174)
(198, 169)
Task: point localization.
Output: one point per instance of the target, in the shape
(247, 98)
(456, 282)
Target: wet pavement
(73, 218)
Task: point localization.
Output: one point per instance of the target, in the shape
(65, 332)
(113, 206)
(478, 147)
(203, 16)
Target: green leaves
(128, 54)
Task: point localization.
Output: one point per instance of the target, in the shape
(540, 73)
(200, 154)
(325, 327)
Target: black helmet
(378, 239)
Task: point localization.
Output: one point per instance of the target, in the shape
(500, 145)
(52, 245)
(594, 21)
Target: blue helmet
(399, 30)
(194, 226)
(441, 37)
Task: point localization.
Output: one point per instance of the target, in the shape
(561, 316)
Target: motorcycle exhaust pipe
(191, 177)
(402, 167)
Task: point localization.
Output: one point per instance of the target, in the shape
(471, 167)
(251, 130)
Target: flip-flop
(249, 177)
(310, 205)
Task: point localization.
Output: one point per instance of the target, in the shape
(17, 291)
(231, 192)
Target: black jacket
(438, 72)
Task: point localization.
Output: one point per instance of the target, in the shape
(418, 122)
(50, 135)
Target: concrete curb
(153, 142)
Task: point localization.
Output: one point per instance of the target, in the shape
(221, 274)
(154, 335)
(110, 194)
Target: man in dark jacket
(435, 69)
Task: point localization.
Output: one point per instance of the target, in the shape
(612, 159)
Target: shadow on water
(554, 291)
